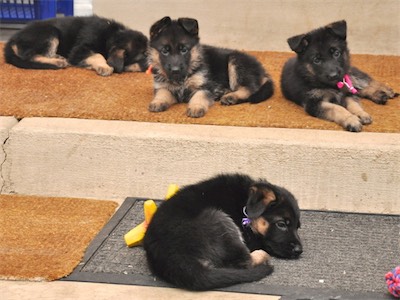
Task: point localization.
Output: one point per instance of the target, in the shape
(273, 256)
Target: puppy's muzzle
(297, 250)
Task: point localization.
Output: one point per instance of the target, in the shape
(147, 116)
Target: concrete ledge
(330, 170)
(5, 125)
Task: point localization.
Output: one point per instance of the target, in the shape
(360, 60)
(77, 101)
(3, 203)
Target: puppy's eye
(281, 225)
(336, 54)
(165, 50)
(317, 60)
(184, 50)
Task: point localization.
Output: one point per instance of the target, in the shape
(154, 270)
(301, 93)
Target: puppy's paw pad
(365, 119)
(259, 257)
(61, 62)
(196, 112)
(158, 106)
(353, 124)
(104, 70)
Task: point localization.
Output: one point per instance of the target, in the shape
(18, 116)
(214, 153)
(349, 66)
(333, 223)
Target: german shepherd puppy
(186, 71)
(89, 42)
(322, 80)
(218, 232)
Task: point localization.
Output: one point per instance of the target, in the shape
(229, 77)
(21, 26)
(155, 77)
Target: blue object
(23, 11)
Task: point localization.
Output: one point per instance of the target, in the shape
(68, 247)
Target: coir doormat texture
(80, 93)
(346, 256)
(43, 238)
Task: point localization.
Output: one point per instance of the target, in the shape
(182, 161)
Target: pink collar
(347, 82)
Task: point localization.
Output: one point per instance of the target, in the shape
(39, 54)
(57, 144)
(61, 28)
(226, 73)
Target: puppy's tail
(13, 58)
(208, 279)
(263, 93)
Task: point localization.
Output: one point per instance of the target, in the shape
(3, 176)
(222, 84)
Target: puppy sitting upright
(186, 71)
(322, 80)
(217, 232)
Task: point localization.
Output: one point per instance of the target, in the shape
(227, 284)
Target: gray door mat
(346, 256)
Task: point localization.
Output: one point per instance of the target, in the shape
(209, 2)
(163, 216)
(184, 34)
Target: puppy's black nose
(297, 249)
(333, 76)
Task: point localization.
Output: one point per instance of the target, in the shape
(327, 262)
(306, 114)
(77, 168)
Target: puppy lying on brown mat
(89, 42)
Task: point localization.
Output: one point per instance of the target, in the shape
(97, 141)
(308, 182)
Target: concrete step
(325, 170)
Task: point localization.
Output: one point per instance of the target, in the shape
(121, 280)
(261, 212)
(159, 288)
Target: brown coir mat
(79, 93)
(44, 238)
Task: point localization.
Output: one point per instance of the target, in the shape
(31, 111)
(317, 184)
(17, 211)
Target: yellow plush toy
(135, 236)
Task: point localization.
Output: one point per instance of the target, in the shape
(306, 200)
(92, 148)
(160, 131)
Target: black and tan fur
(197, 241)
(310, 78)
(186, 71)
(103, 45)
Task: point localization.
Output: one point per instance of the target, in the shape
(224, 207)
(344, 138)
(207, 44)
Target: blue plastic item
(23, 11)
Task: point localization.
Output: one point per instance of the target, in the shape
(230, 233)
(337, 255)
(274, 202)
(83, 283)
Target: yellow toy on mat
(135, 236)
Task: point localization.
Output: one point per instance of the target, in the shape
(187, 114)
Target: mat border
(286, 293)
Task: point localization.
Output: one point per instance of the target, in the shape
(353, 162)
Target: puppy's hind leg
(370, 88)
(238, 94)
(51, 57)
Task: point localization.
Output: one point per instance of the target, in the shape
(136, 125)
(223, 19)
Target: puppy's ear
(259, 198)
(298, 43)
(190, 25)
(338, 28)
(159, 26)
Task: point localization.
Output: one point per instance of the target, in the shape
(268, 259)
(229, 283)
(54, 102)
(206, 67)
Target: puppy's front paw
(259, 257)
(105, 70)
(61, 62)
(196, 112)
(353, 124)
(365, 118)
(158, 106)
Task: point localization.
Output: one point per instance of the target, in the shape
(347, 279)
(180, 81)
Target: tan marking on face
(196, 57)
(260, 225)
(133, 68)
(119, 53)
(163, 99)
(98, 63)
(154, 57)
(199, 104)
(310, 70)
(154, 61)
